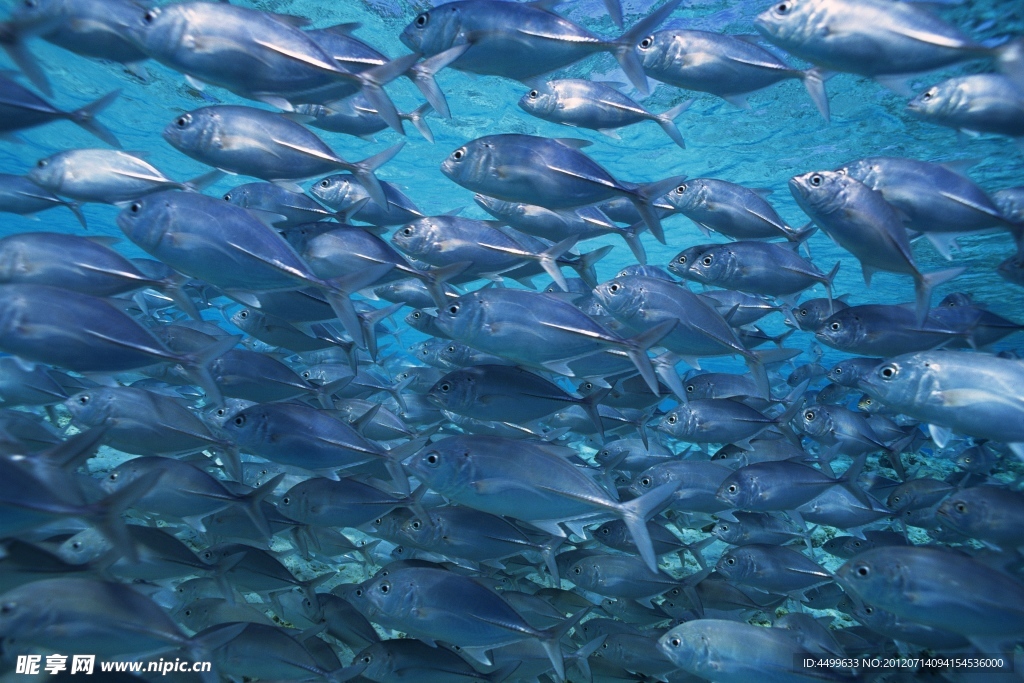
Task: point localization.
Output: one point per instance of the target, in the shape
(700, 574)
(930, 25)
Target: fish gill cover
(506, 341)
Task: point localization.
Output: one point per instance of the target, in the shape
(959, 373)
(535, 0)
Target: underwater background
(779, 136)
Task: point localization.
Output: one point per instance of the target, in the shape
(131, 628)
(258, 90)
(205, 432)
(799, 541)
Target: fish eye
(445, 387)
(803, 312)
(533, 94)
(869, 610)
(227, 197)
(816, 180)
(450, 349)
(732, 488)
(961, 507)
(672, 419)
(453, 309)
(614, 288)
(150, 16)
(83, 399)
(422, 19)
(606, 531)
(675, 642)
(135, 207)
(730, 561)
(30, 3)
(286, 500)
(76, 545)
(243, 314)
(646, 42)
(809, 416)
(458, 154)
(782, 7)
(42, 163)
(239, 420)
(433, 459)
(407, 231)
(183, 121)
(888, 372)
(378, 521)
(723, 527)
(305, 375)
(415, 315)
(416, 525)
(863, 571)
(113, 476)
(577, 570)
(681, 189)
(681, 259)
(366, 659)
(646, 481)
(928, 94)
(835, 326)
(359, 592)
(838, 371)
(706, 260)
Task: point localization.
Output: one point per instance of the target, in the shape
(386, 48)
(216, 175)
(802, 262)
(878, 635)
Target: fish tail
(252, 504)
(422, 75)
(924, 283)
(395, 458)
(584, 266)
(418, 118)
(200, 183)
(667, 121)
(25, 60)
(623, 48)
(614, 8)
(198, 364)
(372, 82)
(548, 260)
(631, 236)
(76, 209)
(814, 82)
(636, 348)
(108, 511)
(551, 641)
(635, 514)
(435, 278)
(830, 283)
(363, 172)
(86, 118)
(339, 290)
(369, 321)
(590, 406)
(643, 197)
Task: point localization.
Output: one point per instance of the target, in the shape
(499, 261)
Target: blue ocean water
(779, 136)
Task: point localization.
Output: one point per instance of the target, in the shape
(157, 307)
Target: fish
(875, 39)
(520, 41)
(862, 222)
(982, 103)
(524, 323)
(730, 67)
(106, 176)
(550, 490)
(343, 193)
(21, 196)
(972, 393)
(22, 109)
(597, 106)
(547, 172)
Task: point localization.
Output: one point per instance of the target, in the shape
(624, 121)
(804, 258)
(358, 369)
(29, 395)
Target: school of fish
(290, 424)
